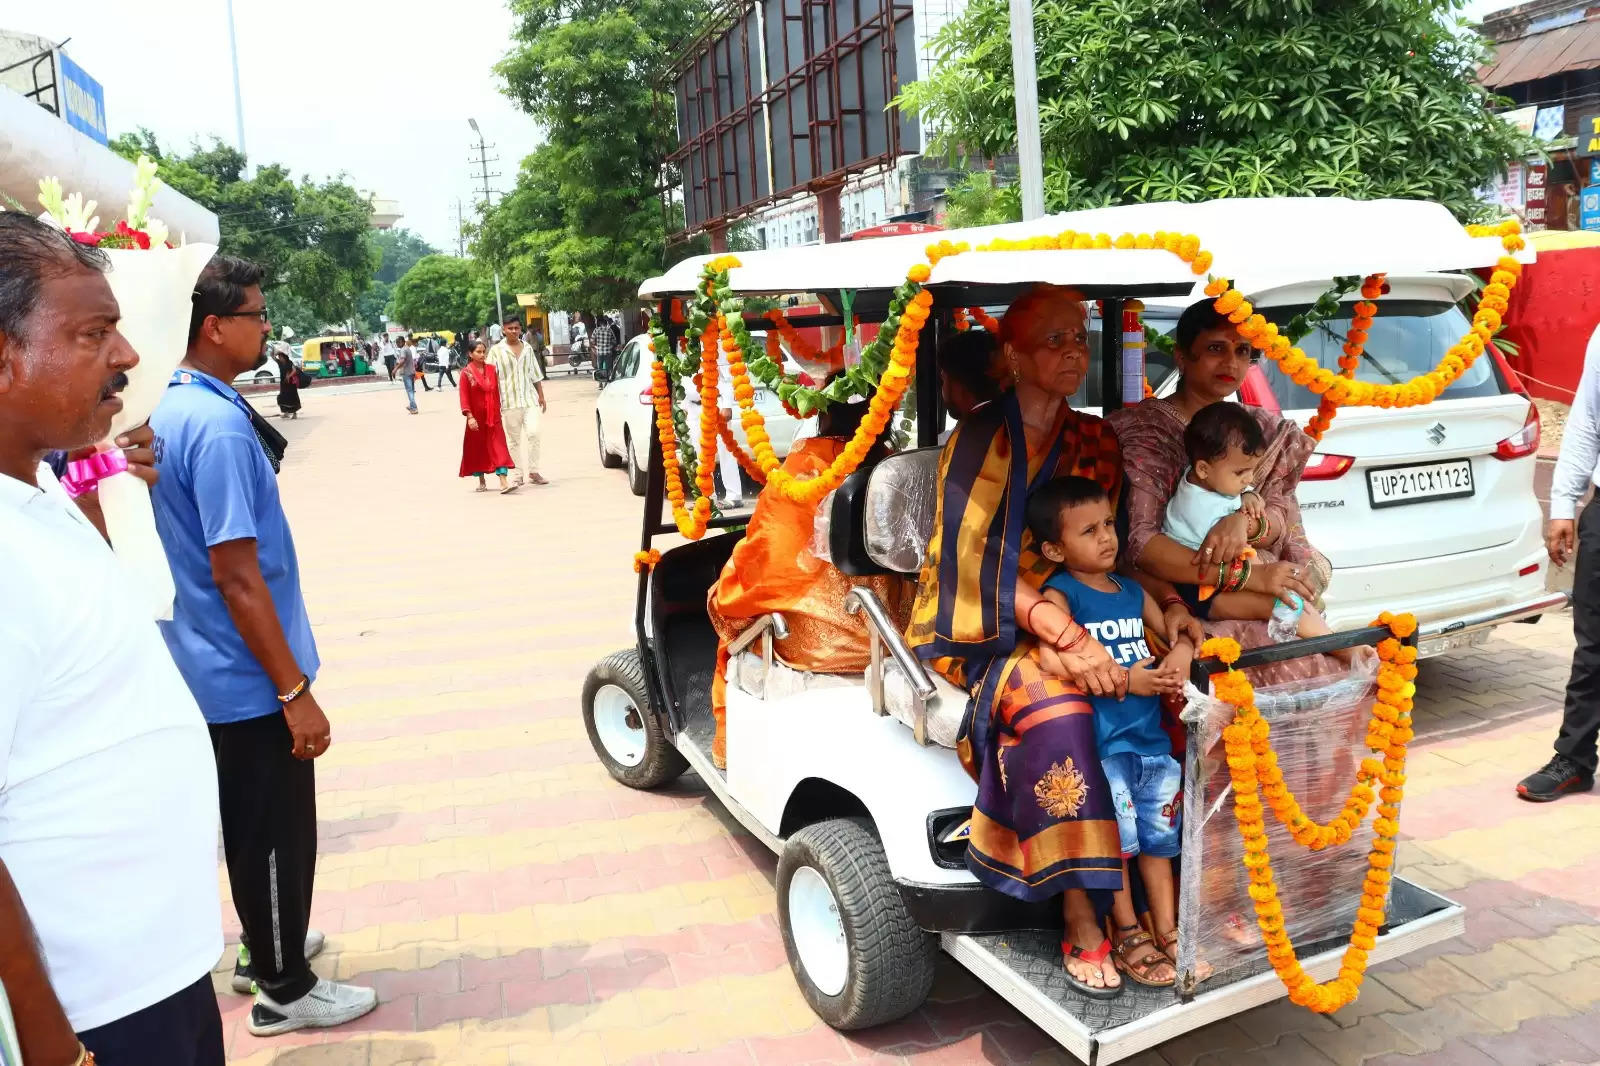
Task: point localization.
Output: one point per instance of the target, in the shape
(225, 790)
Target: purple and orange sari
(1043, 821)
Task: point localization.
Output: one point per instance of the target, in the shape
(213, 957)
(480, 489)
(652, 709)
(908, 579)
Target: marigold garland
(645, 560)
(1255, 773)
(1355, 343)
(718, 321)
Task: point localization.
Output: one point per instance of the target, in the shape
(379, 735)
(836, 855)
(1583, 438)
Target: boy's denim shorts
(1147, 791)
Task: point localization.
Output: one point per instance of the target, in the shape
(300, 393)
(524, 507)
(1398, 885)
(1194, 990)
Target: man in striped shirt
(521, 398)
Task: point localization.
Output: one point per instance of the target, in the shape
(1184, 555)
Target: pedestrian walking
(607, 339)
(446, 357)
(419, 352)
(110, 920)
(483, 447)
(288, 382)
(1572, 767)
(390, 355)
(521, 397)
(242, 640)
(541, 350)
(406, 367)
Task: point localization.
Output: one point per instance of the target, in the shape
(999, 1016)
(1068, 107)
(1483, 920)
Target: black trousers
(445, 372)
(269, 840)
(388, 361)
(1580, 724)
(185, 1029)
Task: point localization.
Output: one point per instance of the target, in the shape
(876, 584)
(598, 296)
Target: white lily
(144, 192)
(158, 232)
(79, 216)
(50, 199)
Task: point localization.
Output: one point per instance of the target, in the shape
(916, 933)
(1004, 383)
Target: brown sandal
(1138, 970)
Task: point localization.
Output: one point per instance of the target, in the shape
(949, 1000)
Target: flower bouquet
(153, 281)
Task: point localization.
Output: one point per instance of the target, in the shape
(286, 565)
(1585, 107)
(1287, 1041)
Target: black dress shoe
(1560, 776)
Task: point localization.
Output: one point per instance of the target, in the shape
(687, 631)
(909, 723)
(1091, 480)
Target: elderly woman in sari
(1043, 824)
(1214, 359)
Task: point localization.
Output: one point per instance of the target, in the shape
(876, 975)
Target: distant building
(1547, 61)
(385, 213)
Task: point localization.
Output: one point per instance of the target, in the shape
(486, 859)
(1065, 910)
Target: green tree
(1190, 99)
(287, 309)
(400, 249)
(442, 292)
(977, 201)
(314, 239)
(372, 305)
(585, 224)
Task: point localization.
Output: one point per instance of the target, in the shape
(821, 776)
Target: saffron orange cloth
(773, 569)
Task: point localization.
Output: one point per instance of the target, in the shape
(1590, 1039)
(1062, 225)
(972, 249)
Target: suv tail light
(647, 395)
(1324, 466)
(1256, 391)
(1524, 441)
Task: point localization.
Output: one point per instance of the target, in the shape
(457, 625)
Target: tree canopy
(400, 249)
(1190, 99)
(312, 239)
(585, 224)
(443, 292)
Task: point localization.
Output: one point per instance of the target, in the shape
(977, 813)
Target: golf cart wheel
(858, 957)
(636, 475)
(607, 460)
(626, 736)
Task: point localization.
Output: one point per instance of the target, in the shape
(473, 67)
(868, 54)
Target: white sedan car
(624, 414)
(1428, 509)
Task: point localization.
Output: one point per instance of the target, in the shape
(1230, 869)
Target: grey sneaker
(244, 980)
(326, 1005)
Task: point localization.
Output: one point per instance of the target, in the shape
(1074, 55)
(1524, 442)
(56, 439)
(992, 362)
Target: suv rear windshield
(1408, 338)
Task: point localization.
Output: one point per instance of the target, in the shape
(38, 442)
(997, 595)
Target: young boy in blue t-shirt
(1075, 526)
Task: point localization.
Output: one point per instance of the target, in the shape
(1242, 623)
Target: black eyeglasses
(260, 315)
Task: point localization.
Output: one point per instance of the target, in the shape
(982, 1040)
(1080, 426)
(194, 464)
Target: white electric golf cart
(852, 780)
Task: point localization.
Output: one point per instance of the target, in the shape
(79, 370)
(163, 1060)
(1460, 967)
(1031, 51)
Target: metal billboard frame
(820, 69)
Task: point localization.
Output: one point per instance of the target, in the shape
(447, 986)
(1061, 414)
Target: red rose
(91, 239)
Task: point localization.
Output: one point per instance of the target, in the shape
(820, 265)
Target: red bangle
(1083, 634)
(1173, 598)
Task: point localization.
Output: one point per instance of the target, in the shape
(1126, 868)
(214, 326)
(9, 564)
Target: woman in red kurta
(483, 448)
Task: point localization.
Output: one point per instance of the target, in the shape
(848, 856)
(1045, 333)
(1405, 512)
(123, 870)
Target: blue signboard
(1594, 171)
(1589, 208)
(83, 102)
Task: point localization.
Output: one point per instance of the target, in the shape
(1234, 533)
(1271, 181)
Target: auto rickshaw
(339, 355)
(851, 780)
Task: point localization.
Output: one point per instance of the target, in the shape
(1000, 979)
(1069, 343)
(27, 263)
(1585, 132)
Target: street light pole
(238, 97)
(483, 159)
(1025, 75)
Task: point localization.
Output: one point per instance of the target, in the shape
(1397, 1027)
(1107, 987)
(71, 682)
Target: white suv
(1429, 509)
(624, 414)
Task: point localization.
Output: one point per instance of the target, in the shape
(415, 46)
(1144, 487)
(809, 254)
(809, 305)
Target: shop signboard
(1537, 195)
(1594, 171)
(1507, 192)
(1522, 118)
(1589, 208)
(1588, 135)
(83, 101)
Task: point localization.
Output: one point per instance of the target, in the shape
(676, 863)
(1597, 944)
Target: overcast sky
(381, 91)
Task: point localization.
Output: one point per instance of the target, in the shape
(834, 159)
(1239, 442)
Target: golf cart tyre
(890, 959)
(637, 478)
(607, 460)
(660, 762)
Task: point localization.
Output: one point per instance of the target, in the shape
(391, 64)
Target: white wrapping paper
(153, 288)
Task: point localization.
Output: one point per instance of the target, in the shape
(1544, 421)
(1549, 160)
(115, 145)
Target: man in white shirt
(1577, 472)
(521, 398)
(110, 920)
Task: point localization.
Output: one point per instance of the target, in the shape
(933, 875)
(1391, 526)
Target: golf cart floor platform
(1025, 968)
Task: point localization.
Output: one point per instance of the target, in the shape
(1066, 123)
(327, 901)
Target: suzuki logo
(1436, 433)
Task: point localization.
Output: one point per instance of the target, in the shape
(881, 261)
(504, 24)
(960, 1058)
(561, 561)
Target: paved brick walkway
(513, 905)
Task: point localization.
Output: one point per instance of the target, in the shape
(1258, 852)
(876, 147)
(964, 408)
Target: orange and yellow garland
(1253, 766)
(1337, 389)
(1355, 343)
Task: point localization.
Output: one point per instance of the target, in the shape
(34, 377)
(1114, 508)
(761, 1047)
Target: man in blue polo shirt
(242, 641)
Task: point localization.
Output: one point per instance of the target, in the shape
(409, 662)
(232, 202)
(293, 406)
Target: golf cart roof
(1278, 241)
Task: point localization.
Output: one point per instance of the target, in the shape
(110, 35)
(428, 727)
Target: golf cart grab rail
(1202, 669)
(768, 626)
(882, 633)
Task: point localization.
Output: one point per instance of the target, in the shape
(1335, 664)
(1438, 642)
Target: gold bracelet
(85, 1056)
